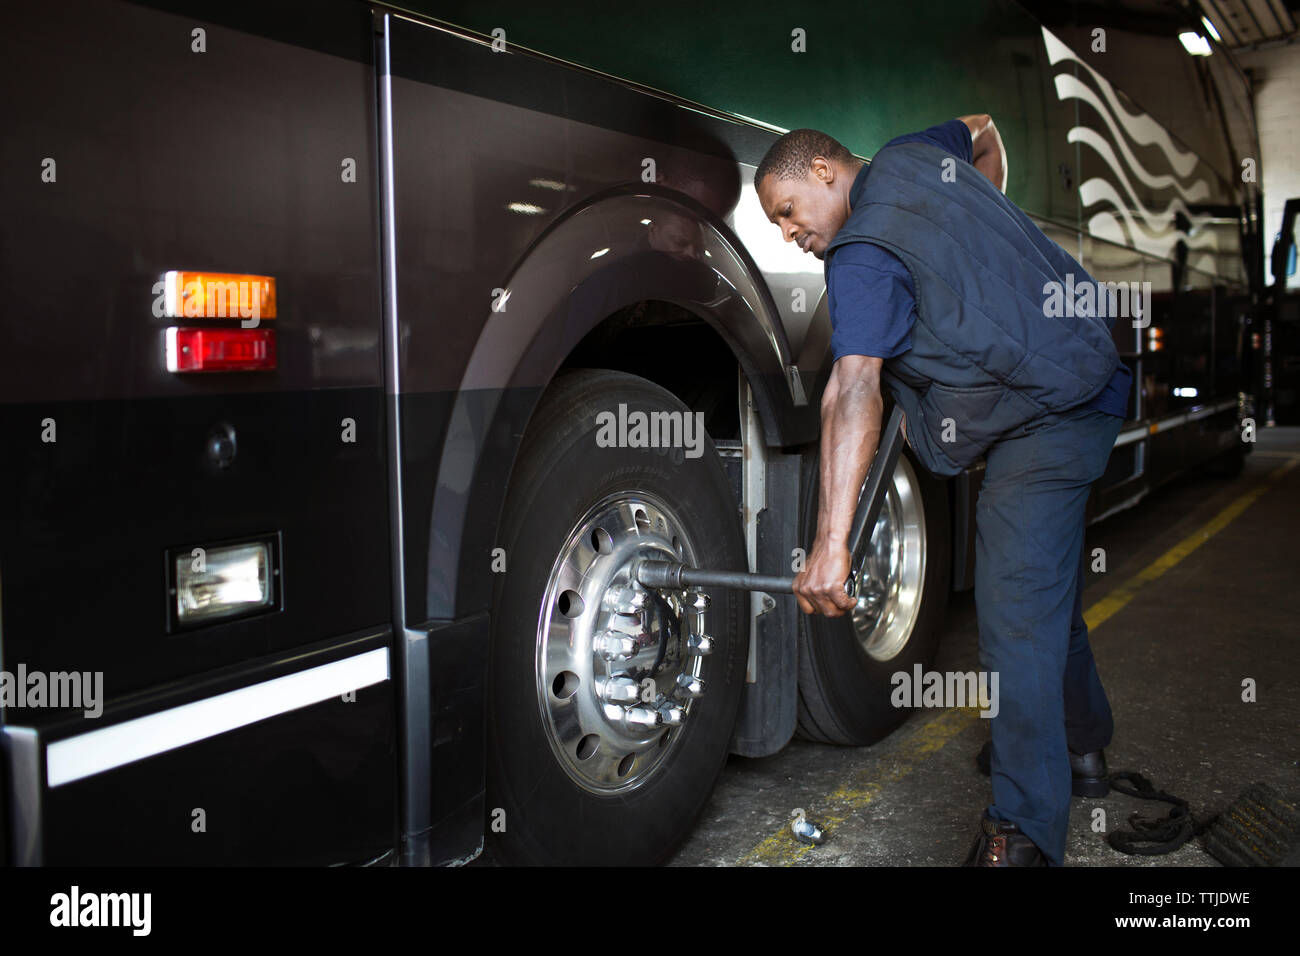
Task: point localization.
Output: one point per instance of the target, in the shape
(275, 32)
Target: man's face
(809, 211)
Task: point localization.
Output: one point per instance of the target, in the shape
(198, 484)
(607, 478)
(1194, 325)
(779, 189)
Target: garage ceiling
(1242, 24)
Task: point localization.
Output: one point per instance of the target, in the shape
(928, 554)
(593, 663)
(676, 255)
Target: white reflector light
(222, 582)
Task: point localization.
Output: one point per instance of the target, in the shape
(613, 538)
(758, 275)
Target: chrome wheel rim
(614, 683)
(893, 575)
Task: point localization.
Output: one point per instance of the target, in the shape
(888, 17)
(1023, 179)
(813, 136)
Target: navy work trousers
(1028, 597)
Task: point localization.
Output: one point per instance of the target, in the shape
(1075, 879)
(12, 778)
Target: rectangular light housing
(221, 582)
(220, 350)
(218, 295)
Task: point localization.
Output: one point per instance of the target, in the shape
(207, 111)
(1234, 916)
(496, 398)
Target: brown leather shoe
(1001, 843)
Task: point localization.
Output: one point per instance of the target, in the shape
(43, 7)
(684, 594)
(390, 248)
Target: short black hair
(791, 156)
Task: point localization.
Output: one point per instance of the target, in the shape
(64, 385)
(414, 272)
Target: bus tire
(575, 784)
(845, 667)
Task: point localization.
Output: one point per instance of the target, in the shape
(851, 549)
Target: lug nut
(670, 714)
(870, 600)
(700, 602)
(643, 717)
(627, 600)
(621, 690)
(700, 645)
(614, 646)
(689, 686)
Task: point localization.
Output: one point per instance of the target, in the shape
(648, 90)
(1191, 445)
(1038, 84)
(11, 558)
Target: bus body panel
(312, 785)
(239, 158)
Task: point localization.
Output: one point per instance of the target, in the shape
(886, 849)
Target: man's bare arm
(851, 414)
(989, 155)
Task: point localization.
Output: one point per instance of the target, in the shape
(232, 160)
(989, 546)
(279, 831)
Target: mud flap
(769, 704)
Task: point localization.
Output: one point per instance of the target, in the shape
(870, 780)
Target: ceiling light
(1194, 43)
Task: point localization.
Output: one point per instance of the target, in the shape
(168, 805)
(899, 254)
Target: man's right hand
(819, 588)
(851, 413)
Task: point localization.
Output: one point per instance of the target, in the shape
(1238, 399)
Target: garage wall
(1277, 106)
(866, 73)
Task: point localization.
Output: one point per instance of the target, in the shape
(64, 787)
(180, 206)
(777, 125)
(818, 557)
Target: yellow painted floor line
(1108, 606)
(782, 849)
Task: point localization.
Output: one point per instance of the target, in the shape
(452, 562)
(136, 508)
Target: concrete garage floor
(1172, 658)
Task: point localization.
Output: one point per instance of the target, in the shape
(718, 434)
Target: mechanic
(936, 284)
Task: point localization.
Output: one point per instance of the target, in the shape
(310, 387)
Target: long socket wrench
(674, 575)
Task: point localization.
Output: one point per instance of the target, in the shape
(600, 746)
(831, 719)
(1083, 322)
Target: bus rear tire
(846, 665)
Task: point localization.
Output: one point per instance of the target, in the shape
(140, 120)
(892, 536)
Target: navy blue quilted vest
(985, 357)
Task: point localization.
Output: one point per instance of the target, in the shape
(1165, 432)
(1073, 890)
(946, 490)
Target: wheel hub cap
(618, 666)
(889, 596)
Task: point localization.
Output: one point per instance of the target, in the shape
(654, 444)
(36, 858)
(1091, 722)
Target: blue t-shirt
(870, 294)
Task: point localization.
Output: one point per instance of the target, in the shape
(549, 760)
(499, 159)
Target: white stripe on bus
(120, 744)
(1182, 418)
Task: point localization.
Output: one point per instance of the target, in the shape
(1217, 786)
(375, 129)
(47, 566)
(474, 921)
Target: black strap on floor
(1153, 836)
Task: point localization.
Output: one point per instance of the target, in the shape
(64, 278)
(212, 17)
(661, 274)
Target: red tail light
(220, 350)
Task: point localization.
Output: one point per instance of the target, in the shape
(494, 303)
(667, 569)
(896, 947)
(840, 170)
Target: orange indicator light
(218, 295)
